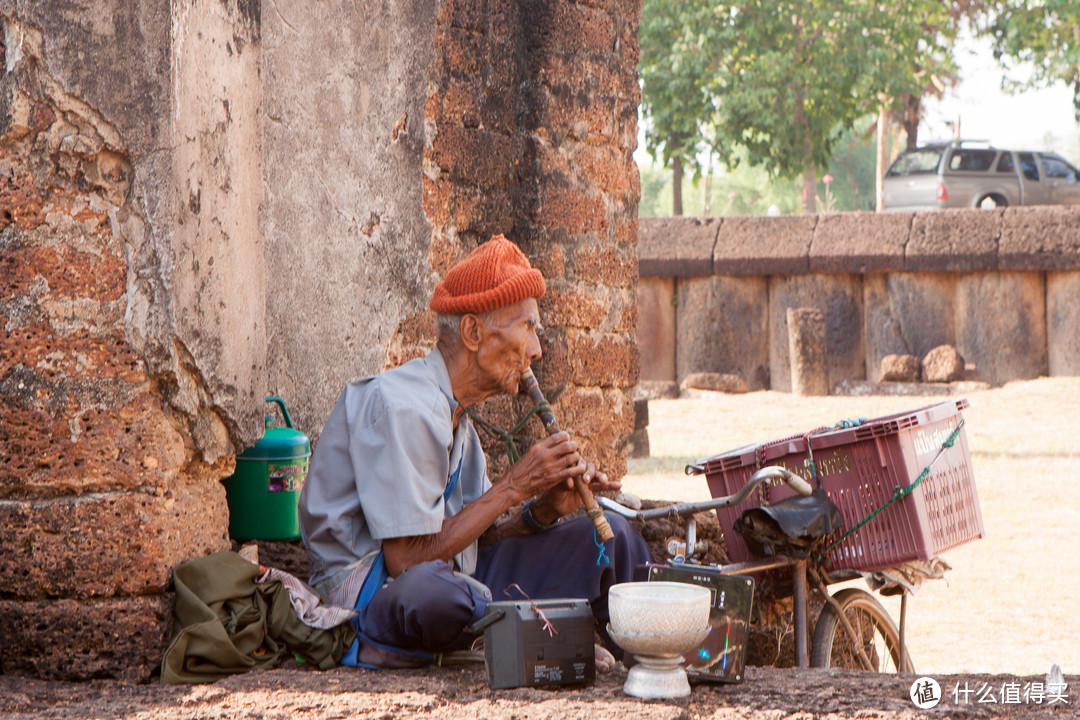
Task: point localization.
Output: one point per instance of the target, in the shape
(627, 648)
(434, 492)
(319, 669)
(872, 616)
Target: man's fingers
(556, 451)
(612, 486)
(578, 468)
(560, 442)
(559, 437)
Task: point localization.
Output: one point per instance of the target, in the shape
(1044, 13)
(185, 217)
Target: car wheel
(992, 201)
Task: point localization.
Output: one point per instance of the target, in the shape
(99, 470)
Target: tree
(939, 23)
(853, 166)
(942, 69)
(748, 189)
(784, 86)
(1045, 33)
(803, 72)
(780, 78)
(678, 49)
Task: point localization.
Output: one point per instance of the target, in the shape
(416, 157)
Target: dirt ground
(987, 637)
(462, 693)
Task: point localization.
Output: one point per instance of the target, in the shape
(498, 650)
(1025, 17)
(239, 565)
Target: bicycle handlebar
(682, 510)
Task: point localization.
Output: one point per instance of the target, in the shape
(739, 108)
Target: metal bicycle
(853, 629)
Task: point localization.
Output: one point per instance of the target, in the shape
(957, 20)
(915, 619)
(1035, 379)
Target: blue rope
(602, 551)
(841, 425)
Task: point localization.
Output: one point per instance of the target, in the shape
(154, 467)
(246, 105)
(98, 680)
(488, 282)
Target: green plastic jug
(263, 492)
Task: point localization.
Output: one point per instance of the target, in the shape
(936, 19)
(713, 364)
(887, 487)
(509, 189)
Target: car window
(921, 161)
(1028, 166)
(1057, 168)
(971, 160)
(1006, 164)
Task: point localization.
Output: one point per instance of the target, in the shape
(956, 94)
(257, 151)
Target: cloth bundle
(233, 616)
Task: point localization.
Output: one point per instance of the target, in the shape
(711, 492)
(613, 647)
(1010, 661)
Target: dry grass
(1009, 603)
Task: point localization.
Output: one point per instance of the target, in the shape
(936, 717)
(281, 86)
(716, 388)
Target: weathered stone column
(132, 315)
(529, 128)
(806, 349)
(840, 298)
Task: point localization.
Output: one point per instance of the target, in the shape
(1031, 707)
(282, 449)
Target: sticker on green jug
(286, 476)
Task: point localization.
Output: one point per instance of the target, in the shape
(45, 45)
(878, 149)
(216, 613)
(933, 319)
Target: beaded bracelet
(530, 520)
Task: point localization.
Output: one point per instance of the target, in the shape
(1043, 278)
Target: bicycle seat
(789, 526)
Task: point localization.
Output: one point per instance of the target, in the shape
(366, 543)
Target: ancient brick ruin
(102, 490)
(532, 119)
(195, 213)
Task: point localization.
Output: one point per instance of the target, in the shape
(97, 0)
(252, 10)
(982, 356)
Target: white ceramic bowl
(657, 618)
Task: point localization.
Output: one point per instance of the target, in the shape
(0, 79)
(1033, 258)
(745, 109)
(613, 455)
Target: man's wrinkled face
(511, 342)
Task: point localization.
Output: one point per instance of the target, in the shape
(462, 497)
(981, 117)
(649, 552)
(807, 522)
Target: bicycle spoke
(870, 632)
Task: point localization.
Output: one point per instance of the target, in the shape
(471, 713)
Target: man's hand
(547, 463)
(547, 471)
(563, 498)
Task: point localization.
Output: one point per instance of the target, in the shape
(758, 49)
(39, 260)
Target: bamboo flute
(592, 508)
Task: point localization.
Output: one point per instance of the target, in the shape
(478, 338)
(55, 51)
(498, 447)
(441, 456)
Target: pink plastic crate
(858, 467)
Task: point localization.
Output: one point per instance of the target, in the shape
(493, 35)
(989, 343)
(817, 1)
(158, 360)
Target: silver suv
(974, 174)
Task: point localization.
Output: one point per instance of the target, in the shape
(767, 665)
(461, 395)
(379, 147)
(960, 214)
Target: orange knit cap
(494, 275)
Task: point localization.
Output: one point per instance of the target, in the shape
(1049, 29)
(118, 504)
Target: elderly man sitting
(398, 516)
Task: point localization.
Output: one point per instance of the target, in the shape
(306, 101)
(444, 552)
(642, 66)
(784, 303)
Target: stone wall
(203, 203)
(453, 121)
(113, 432)
(1000, 286)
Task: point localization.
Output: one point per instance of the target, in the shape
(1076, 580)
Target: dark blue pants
(429, 608)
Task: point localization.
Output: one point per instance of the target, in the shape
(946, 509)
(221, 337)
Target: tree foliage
(907, 108)
(779, 78)
(679, 50)
(748, 189)
(1044, 33)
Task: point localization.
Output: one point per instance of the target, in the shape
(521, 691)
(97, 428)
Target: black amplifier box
(543, 642)
(722, 654)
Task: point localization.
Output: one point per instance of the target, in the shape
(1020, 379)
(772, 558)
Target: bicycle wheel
(877, 635)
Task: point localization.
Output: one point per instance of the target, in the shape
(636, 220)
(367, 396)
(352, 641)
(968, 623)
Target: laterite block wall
(529, 128)
(1000, 286)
